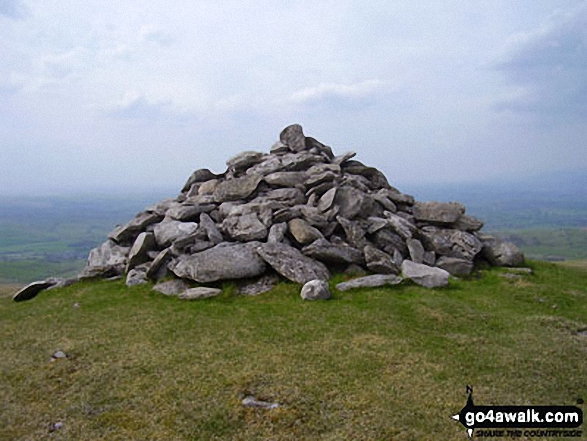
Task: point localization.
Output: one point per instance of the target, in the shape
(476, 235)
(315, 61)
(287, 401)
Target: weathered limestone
(315, 290)
(301, 211)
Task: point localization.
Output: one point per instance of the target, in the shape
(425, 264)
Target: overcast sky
(135, 94)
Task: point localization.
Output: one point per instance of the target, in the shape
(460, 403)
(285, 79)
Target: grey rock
(344, 158)
(244, 160)
(355, 234)
(385, 202)
(501, 253)
(171, 287)
(32, 290)
(389, 241)
(138, 254)
(136, 276)
(286, 179)
(350, 201)
(261, 285)
(326, 251)
(59, 355)
(451, 243)
(315, 290)
(424, 275)
(455, 266)
(237, 188)
(327, 199)
(201, 175)
(270, 165)
(378, 261)
(161, 207)
(416, 250)
(245, 228)
(438, 212)
(313, 144)
(170, 231)
(107, 259)
(429, 258)
(279, 148)
(209, 227)
(291, 196)
(208, 188)
(293, 137)
(400, 225)
(320, 178)
(370, 282)
(303, 232)
(299, 161)
(186, 213)
(126, 234)
(251, 401)
(200, 292)
(523, 271)
(223, 262)
(468, 223)
(397, 197)
(292, 264)
(277, 232)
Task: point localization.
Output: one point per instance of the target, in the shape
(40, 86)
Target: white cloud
(13, 9)
(548, 68)
(327, 91)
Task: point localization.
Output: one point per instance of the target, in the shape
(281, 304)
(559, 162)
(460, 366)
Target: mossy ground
(373, 364)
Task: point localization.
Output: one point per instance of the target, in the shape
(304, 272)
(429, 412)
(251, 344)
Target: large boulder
(424, 275)
(138, 254)
(223, 262)
(107, 260)
(501, 253)
(292, 264)
(451, 243)
(303, 232)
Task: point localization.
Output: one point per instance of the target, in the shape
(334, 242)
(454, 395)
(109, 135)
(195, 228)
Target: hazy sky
(115, 95)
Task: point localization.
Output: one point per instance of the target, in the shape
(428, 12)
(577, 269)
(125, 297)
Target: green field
(549, 243)
(376, 364)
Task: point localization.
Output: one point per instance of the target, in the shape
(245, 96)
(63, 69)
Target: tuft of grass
(371, 364)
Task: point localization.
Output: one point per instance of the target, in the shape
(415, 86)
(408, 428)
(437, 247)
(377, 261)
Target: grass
(376, 364)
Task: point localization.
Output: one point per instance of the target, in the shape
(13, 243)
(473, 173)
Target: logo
(517, 421)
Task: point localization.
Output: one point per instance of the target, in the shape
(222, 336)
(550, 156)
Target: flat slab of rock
(370, 282)
(315, 290)
(237, 188)
(424, 275)
(438, 212)
(455, 266)
(32, 290)
(326, 251)
(223, 262)
(292, 264)
(171, 287)
(200, 292)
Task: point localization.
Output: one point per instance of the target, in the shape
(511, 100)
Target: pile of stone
(301, 213)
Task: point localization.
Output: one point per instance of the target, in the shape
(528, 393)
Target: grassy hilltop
(373, 364)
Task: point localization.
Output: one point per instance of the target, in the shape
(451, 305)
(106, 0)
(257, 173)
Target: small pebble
(56, 426)
(251, 401)
(57, 355)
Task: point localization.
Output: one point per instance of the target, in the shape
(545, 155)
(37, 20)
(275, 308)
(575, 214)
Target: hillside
(387, 363)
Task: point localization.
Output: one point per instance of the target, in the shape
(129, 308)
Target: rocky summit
(299, 212)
